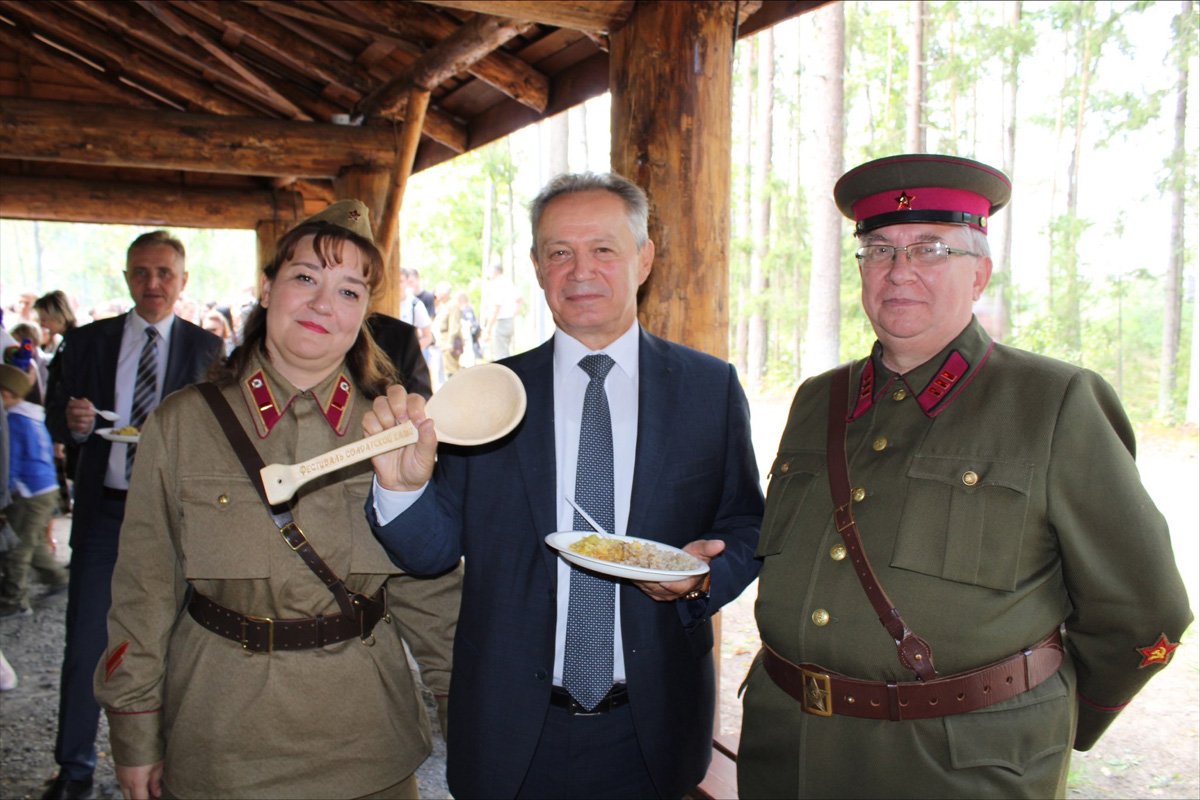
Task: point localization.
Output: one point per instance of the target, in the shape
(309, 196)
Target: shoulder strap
(282, 516)
(914, 653)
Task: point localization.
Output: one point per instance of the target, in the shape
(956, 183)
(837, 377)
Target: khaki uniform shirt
(999, 499)
(344, 720)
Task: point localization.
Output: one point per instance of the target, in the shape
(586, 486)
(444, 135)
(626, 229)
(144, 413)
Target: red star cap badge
(353, 214)
(1157, 653)
(904, 201)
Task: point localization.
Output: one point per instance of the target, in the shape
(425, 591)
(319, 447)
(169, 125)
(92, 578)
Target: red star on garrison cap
(1157, 653)
(353, 214)
(904, 201)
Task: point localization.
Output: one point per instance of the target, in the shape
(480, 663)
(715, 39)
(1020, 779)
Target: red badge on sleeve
(1157, 653)
(115, 660)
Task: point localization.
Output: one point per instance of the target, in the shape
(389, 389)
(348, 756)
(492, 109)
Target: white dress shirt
(133, 338)
(621, 387)
(570, 383)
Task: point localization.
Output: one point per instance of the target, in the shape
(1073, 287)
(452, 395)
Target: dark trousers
(588, 757)
(93, 556)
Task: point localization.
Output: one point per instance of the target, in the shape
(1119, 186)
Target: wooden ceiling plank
(128, 21)
(364, 30)
(453, 54)
(325, 40)
(499, 69)
(288, 46)
(179, 25)
(579, 15)
(69, 200)
(120, 59)
(42, 130)
(772, 12)
(23, 42)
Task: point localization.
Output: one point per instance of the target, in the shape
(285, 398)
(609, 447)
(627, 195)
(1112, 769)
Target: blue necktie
(588, 658)
(145, 391)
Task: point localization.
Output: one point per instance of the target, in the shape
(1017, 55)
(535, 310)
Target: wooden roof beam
(574, 14)
(119, 58)
(22, 41)
(284, 45)
(499, 69)
(69, 200)
(41, 130)
(366, 31)
(181, 27)
(772, 12)
(454, 54)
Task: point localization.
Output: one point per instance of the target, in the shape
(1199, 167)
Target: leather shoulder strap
(252, 462)
(913, 651)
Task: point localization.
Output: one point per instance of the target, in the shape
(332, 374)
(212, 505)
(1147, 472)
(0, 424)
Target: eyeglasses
(923, 254)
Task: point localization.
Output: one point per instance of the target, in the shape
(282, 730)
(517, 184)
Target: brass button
(223, 499)
(879, 444)
(970, 478)
(859, 494)
(783, 467)
(820, 617)
(837, 552)
(899, 394)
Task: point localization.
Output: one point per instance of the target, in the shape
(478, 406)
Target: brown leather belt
(823, 693)
(264, 634)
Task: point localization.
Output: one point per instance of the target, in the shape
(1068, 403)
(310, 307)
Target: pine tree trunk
(1000, 228)
(757, 342)
(742, 272)
(1071, 312)
(1172, 288)
(558, 131)
(916, 78)
(824, 87)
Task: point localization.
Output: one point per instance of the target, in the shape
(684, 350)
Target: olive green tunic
(345, 720)
(1007, 505)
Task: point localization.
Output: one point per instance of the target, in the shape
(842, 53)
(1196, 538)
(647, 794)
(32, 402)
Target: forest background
(1085, 104)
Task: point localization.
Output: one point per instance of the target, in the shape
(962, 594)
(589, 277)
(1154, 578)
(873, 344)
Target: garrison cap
(14, 380)
(353, 215)
(921, 187)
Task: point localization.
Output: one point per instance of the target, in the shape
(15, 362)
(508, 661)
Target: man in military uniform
(1006, 533)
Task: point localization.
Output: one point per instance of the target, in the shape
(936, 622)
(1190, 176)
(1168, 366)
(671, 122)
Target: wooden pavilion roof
(110, 109)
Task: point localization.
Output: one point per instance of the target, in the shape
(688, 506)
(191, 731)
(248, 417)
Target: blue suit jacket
(694, 477)
(89, 369)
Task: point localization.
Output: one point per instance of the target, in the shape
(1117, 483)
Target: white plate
(107, 433)
(562, 541)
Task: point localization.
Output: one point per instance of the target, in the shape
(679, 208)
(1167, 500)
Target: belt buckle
(818, 699)
(270, 633)
(288, 537)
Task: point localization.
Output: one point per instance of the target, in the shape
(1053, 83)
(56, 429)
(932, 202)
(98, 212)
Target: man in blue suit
(565, 683)
(126, 364)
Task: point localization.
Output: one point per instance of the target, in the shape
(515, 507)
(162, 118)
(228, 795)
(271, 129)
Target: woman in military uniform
(243, 662)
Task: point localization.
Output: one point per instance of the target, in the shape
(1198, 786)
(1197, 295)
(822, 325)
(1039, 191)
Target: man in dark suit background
(664, 431)
(126, 364)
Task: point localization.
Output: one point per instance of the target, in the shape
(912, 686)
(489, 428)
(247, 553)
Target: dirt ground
(1151, 751)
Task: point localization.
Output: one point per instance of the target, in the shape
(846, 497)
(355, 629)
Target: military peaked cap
(921, 187)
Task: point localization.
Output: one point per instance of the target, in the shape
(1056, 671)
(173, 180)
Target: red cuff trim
(1102, 708)
(132, 713)
(440, 696)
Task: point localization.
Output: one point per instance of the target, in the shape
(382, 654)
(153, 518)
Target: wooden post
(370, 184)
(671, 77)
(671, 70)
(267, 232)
(388, 224)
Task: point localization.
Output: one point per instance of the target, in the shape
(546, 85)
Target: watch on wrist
(700, 591)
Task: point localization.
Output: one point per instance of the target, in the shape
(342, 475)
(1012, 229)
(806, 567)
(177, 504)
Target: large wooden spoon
(476, 406)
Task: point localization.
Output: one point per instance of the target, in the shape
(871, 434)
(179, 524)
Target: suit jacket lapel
(108, 353)
(658, 401)
(535, 447)
(179, 358)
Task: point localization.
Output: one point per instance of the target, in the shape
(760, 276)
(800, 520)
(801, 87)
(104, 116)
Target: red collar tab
(938, 389)
(335, 407)
(1158, 653)
(866, 391)
(265, 406)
